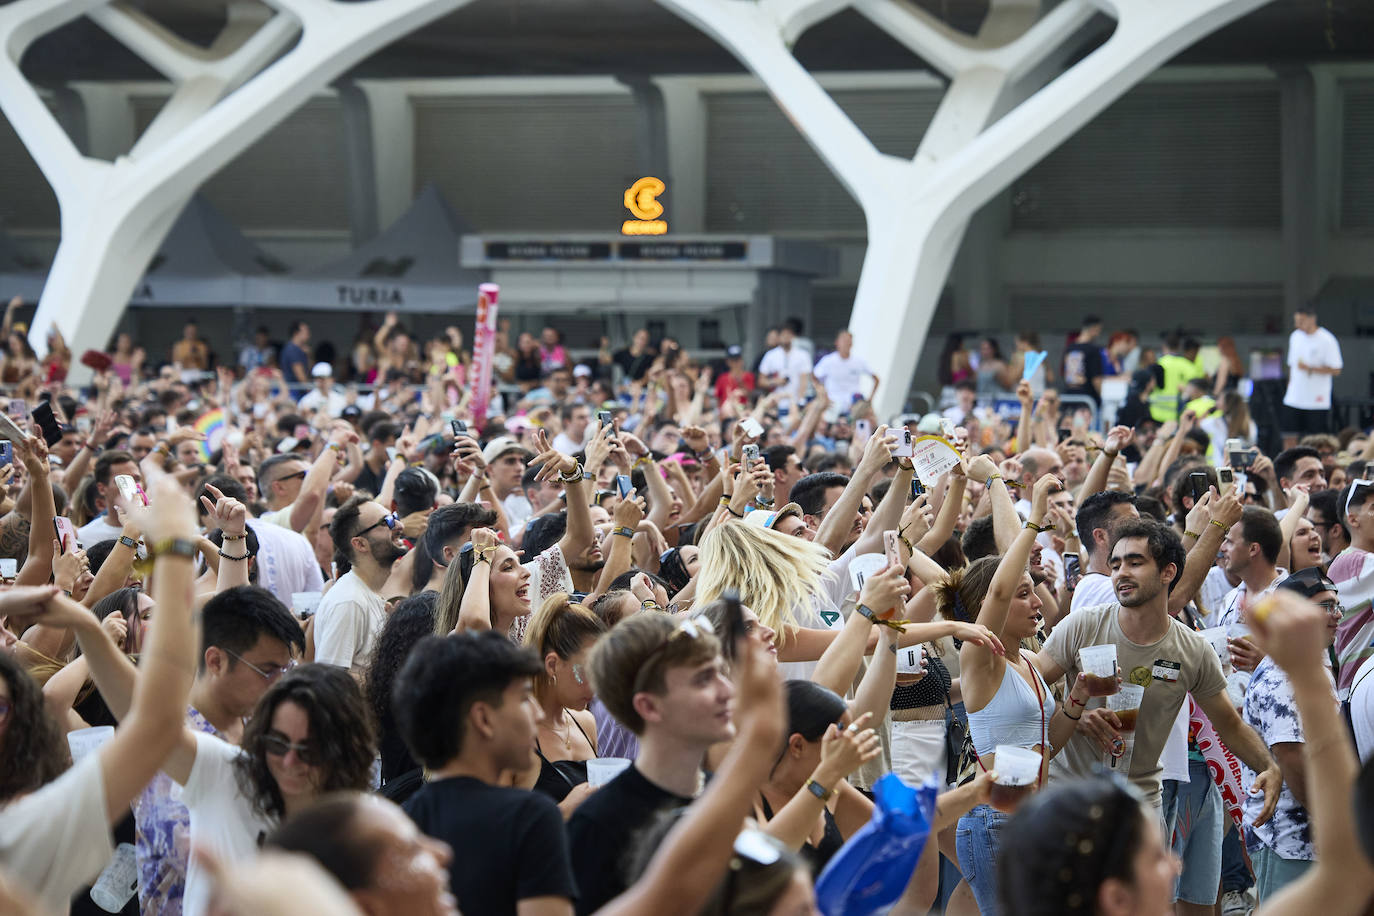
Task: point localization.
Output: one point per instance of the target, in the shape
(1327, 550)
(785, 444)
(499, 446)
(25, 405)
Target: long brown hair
(32, 752)
(341, 732)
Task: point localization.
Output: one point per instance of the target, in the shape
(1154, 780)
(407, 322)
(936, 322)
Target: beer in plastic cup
(1017, 769)
(1126, 705)
(1098, 664)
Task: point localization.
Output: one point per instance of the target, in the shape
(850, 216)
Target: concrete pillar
(107, 119)
(1300, 185)
(684, 110)
(360, 153)
(391, 123)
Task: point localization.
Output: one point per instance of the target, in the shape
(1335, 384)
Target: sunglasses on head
(690, 627)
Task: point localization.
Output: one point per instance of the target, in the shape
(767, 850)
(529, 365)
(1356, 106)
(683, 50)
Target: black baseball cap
(1308, 582)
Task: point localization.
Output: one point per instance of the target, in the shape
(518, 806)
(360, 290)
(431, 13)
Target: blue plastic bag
(873, 869)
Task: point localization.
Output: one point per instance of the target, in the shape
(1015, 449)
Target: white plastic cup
(118, 883)
(84, 741)
(1216, 638)
(1016, 766)
(601, 770)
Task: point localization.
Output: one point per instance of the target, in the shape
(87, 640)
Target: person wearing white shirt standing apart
(842, 374)
(786, 367)
(352, 613)
(1314, 359)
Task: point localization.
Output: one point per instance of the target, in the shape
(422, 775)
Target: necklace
(565, 735)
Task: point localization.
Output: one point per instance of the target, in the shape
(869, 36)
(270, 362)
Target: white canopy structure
(411, 267)
(205, 260)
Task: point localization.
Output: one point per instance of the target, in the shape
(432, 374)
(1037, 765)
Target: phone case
(894, 553)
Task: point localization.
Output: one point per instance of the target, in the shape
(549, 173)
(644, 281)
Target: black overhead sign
(639, 251)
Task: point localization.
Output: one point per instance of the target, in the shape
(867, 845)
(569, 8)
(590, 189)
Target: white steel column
(115, 214)
(981, 139)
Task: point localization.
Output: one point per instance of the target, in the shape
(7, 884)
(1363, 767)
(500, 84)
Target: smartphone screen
(1226, 479)
(459, 427)
(917, 488)
(1064, 433)
(9, 568)
(47, 423)
(1198, 481)
(6, 453)
(1073, 570)
(66, 532)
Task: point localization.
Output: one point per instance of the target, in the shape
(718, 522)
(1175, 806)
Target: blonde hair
(772, 572)
(562, 627)
(450, 600)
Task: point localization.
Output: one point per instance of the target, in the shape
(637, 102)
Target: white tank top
(1014, 715)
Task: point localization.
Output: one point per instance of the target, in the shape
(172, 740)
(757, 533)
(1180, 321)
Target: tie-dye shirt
(163, 837)
(1272, 712)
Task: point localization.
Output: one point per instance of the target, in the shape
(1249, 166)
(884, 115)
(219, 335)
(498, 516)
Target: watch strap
(819, 790)
(176, 547)
(128, 541)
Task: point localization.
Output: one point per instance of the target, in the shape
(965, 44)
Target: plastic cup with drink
(601, 770)
(1126, 705)
(1098, 664)
(1016, 771)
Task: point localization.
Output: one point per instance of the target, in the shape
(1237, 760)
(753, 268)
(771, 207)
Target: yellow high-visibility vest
(1177, 372)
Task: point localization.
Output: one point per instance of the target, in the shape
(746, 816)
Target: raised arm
(993, 613)
(882, 595)
(842, 752)
(313, 488)
(231, 518)
(1298, 499)
(840, 519)
(474, 612)
(156, 721)
(579, 533)
(1294, 633)
(1224, 512)
(1096, 481)
(1005, 522)
(38, 566)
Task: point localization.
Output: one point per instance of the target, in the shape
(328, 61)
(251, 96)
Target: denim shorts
(1197, 837)
(977, 840)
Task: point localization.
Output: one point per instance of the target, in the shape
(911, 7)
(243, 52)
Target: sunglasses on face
(391, 520)
(286, 477)
(277, 746)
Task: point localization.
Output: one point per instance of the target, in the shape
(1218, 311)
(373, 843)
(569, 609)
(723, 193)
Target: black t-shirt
(508, 844)
(1082, 365)
(603, 832)
(370, 480)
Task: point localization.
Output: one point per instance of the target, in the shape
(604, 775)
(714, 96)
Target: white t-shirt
(1093, 590)
(57, 839)
(347, 623)
(1362, 710)
(1173, 761)
(518, 510)
(793, 365)
(842, 378)
(286, 561)
(222, 819)
(97, 530)
(1311, 390)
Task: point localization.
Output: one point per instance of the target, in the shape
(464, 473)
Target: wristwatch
(819, 790)
(175, 547)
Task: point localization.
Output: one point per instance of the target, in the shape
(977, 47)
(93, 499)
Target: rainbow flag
(212, 425)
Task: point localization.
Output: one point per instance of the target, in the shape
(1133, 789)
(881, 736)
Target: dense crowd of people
(299, 630)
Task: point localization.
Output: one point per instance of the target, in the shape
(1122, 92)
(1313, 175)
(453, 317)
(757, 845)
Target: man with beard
(1156, 652)
(351, 615)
